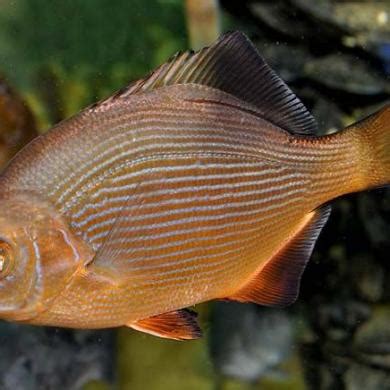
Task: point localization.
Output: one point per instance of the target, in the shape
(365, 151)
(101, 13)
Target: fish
(203, 181)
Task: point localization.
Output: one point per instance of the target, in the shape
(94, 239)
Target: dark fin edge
(278, 282)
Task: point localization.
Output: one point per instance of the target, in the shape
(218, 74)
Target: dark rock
(46, 358)
(277, 17)
(362, 16)
(360, 377)
(363, 25)
(328, 116)
(248, 341)
(341, 318)
(372, 340)
(374, 210)
(368, 277)
(288, 61)
(346, 73)
(350, 16)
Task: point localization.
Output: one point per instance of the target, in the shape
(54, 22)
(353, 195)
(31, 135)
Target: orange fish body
(203, 181)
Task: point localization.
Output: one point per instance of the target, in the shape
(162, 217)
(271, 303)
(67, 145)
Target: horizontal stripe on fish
(120, 179)
(226, 187)
(319, 180)
(199, 166)
(102, 151)
(107, 209)
(193, 218)
(209, 229)
(106, 205)
(218, 147)
(188, 286)
(113, 188)
(171, 168)
(179, 128)
(163, 160)
(214, 277)
(202, 230)
(229, 261)
(199, 275)
(158, 243)
(180, 256)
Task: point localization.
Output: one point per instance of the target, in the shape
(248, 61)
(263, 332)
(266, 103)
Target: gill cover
(38, 256)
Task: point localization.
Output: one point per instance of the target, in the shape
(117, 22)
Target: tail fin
(373, 134)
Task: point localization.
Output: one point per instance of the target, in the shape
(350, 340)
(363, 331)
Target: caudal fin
(373, 133)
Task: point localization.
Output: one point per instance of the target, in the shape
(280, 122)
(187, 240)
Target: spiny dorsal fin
(176, 325)
(233, 65)
(278, 282)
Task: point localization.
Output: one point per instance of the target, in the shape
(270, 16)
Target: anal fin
(277, 284)
(176, 325)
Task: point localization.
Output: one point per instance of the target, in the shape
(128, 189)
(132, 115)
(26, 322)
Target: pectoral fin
(277, 284)
(176, 325)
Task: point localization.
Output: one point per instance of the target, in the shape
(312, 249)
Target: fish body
(203, 181)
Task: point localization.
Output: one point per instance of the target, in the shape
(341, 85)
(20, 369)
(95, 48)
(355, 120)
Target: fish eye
(6, 259)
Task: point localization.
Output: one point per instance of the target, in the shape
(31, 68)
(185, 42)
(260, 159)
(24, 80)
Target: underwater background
(56, 57)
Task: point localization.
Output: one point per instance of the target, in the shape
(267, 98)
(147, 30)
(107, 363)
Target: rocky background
(61, 56)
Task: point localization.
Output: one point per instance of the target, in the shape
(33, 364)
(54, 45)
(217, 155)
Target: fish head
(38, 256)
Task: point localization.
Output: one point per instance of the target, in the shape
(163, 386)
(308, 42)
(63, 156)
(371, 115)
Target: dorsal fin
(277, 284)
(233, 65)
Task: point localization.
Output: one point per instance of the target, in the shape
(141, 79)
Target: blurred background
(58, 56)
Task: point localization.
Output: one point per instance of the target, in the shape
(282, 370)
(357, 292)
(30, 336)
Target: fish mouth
(22, 310)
